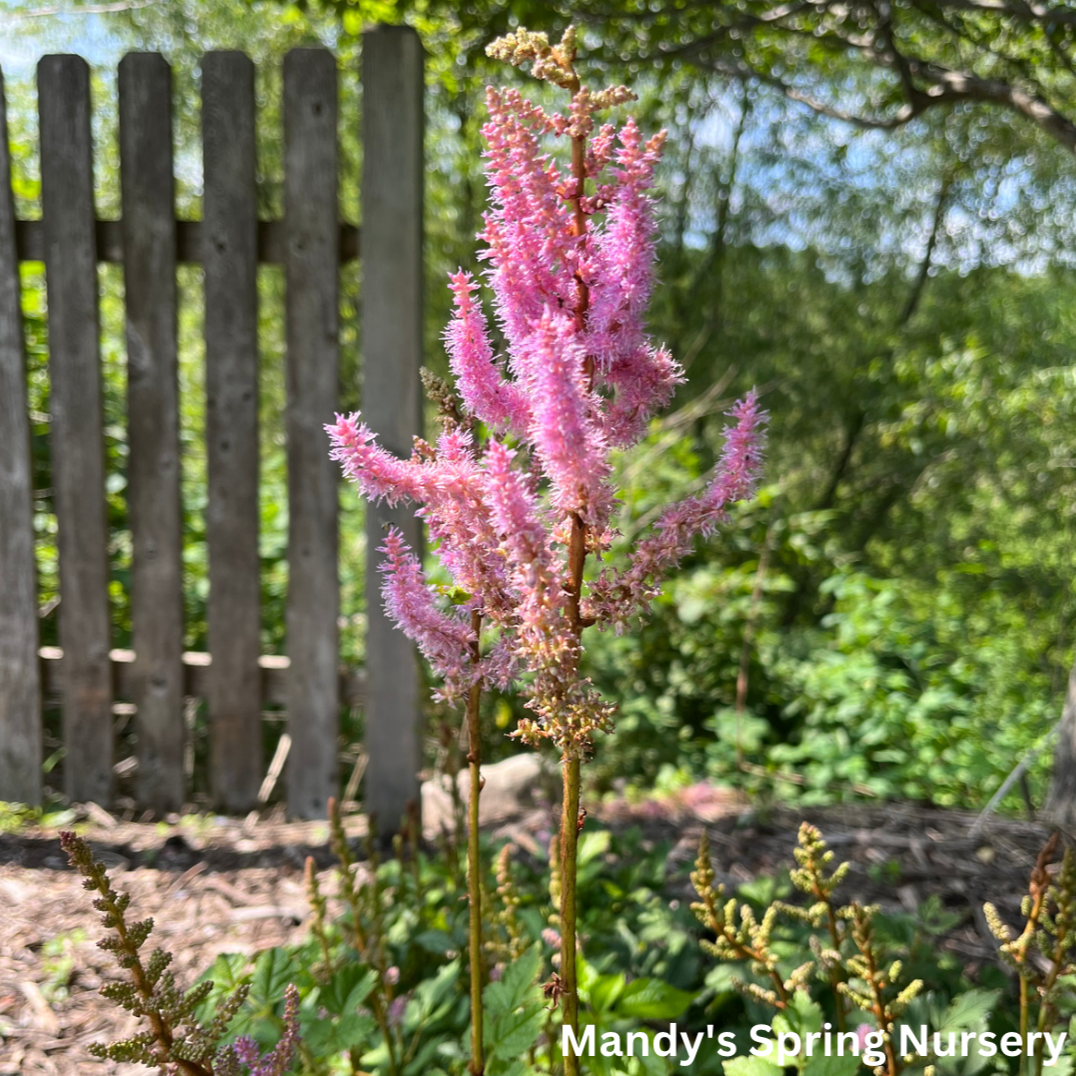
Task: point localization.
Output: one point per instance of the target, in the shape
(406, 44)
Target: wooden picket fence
(229, 242)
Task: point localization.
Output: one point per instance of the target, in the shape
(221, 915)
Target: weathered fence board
(392, 183)
(312, 312)
(230, 250)
(20, 685)
(311, 243)
(76, 436)
(153, 497)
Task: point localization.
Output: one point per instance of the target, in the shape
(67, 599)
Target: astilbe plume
(515, 506)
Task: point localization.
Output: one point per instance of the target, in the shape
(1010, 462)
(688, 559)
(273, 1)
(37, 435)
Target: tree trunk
(1061, 804)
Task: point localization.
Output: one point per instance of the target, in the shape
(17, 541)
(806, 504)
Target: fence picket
(76, 412)
(230, 255)
(392, 183)
(20, 681)
(153, 496)
(312, 273)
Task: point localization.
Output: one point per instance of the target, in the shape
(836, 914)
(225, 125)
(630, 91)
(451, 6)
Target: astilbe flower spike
(518, 491)
(571, 274)
(173, 1040)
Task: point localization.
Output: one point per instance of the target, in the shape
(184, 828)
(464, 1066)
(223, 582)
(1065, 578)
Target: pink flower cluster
(570, 257)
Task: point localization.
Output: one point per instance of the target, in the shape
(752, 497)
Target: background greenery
(898, 603)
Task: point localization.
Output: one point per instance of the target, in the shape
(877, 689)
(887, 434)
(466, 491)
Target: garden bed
(226, 885)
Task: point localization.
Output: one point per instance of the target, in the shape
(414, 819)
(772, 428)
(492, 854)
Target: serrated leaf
(325, 1037)
(519, 976)
(750, 1065)
(803, 1014)
(348, 988)
(652, 999)
(515, 1032)
(969, 1010)
(515, 986)
(273, 970)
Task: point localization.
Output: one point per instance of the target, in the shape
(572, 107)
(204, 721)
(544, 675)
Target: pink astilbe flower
(520, 494)
(568, 442)
(616, 596)
(443, 637)
(484, 391)
(379, 474)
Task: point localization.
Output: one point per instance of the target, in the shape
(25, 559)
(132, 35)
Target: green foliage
(853, 964)
(908, 628)
(788, 953)
(515, 1015)
(58, 962)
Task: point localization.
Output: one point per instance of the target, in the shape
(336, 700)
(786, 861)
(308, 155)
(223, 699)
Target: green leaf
(326, 1037)
(516, 1032)
(514, 988)
(431, 993)
(803, 1014)
(226, 973)
(519, 977)
(820, 1065)
(605, 991)
(593, 844)
(750, 1065)
(348, 988)
(437, 942)
(652, 999)
(273, 970)
(969, 1010)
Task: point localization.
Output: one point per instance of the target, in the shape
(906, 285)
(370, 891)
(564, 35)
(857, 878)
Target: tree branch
(924, 265)
(86, 9)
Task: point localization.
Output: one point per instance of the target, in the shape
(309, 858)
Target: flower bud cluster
(173, 1038)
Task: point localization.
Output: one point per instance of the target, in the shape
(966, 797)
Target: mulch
(221, 885)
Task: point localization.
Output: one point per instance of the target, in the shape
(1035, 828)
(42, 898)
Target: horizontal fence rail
(271, 682)
(108, 236)
(90, 679)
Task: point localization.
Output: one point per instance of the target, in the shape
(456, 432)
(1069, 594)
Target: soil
(217, 885)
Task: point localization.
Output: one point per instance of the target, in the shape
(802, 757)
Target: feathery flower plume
(514, 513)
(518, 491)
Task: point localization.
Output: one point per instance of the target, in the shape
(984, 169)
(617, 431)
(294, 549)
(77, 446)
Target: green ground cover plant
(381, 985)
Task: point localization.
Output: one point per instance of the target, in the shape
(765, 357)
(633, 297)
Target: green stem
(569, 839)
(474, 862)
(834, 973)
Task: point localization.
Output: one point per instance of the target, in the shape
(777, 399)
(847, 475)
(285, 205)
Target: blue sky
(23, 40)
